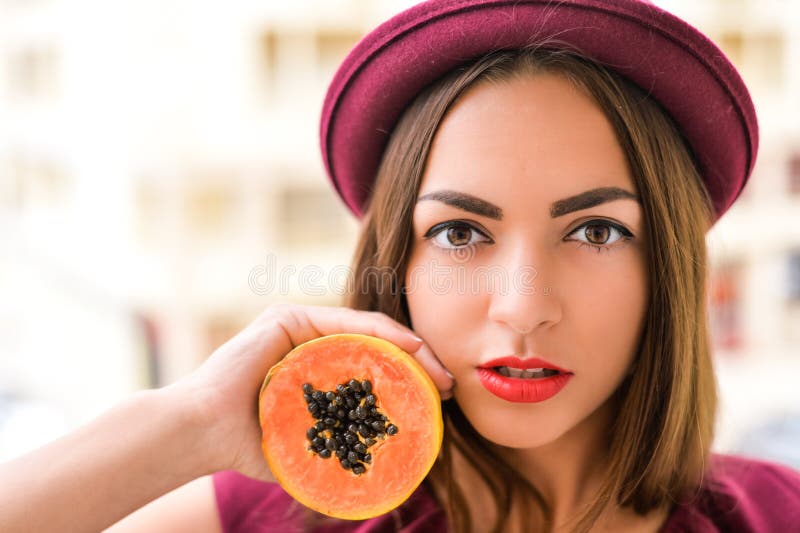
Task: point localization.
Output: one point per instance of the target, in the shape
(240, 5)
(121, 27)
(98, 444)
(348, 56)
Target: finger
(433, 366)
(441, 377)
(328, 321)
(313, 321)
(381, 325)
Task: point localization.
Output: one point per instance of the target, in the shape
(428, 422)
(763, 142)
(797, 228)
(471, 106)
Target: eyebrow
(584, 200)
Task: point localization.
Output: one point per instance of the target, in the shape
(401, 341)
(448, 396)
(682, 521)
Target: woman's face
(514, 256)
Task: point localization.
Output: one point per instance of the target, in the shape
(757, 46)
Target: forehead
(533, 138)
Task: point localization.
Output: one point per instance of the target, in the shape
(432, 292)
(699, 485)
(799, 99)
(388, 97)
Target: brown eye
(600, 234)
(597, 234)
(454, 235)
(459, 235)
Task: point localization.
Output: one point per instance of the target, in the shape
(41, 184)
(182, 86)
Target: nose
(531, 299)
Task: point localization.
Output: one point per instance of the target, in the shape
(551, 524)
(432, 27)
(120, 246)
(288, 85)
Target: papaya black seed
(348, 423)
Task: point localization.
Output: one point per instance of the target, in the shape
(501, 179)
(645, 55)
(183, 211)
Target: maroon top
(739, 495)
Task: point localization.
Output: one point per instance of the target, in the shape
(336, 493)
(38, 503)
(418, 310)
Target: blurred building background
(159, 166)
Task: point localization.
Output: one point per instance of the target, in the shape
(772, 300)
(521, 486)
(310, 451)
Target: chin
(521, 439)
(513, 428)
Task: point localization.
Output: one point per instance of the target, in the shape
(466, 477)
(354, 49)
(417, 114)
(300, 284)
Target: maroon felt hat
(671, 60)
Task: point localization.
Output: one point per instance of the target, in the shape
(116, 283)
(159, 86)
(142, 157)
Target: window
(758, 55)
(210, 208)
(36, 180)
(793, 289)
(332, 47)
(794, 173)
(725, 306)
(311, 216)
(32, 72)
(219, 330)
(765, 57)
(269, 55)
(281, 59)
(792, 309)
(732, 43)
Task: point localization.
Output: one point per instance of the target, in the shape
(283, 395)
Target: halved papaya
(351, 425)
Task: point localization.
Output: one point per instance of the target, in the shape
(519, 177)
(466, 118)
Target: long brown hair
(660, 438)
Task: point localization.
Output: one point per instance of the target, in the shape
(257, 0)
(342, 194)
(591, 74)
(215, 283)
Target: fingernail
(449, 375)
(418, 339)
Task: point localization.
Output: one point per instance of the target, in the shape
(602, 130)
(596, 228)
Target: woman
(531, 203)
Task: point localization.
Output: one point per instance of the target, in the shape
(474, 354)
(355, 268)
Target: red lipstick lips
(523, 364)
(520, 380)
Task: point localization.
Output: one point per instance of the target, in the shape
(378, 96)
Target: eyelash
(625, 234)
(438, 228)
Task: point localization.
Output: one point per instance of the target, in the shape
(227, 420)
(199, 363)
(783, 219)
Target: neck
(568, 471)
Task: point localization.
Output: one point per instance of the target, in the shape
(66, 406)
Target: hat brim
(665, 56)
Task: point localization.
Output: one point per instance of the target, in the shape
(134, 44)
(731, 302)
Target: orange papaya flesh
(404, 394)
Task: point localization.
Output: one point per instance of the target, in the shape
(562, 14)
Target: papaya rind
(379, 507)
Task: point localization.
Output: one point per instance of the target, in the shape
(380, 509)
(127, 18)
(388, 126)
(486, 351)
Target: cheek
(445, 313)
(608, 312)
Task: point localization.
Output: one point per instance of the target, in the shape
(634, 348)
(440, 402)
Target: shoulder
(741, 494)
(246, 504)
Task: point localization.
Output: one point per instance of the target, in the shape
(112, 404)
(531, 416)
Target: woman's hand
(225, 388)
(158, 440)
